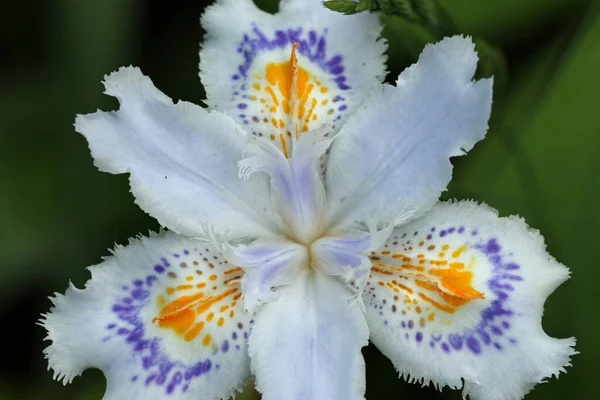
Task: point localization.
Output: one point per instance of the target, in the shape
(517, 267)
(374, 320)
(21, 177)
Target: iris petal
(458, 294)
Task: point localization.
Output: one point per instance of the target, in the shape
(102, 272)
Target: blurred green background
(58, 214)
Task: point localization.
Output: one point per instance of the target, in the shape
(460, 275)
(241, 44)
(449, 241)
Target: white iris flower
(303, 220)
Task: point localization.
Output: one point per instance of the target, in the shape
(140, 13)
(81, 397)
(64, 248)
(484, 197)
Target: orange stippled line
(271, 93)
(195, 331)
(232, 270)
(283, 145)
(294, 86)
(415, 267)
(459, 251)
(437, 305)
(381, 271)
(226, 282)
(401, 286)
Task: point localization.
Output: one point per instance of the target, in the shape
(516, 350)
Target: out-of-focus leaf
(492, 63)
(402, 8)
(510, 22)
(542, 162)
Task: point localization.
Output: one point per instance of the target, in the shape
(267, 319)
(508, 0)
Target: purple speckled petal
(162, 318)
(245, 61)
(459, 293)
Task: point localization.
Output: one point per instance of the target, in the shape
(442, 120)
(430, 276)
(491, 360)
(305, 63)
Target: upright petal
(345, 256)
(297, 190)
(162, 318)
(181, 158)
(306, 344)
(458, 294)
(392, 157)
(250, 69)
(268, 263)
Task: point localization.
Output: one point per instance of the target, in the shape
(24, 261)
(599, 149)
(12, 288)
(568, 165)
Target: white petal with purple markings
(458, 294)
(246, 67)
(162, 318)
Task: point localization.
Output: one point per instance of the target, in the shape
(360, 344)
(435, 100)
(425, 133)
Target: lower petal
(458, 294)
(306, 344)
(161, 318)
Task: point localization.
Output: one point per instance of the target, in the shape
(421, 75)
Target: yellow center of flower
(289, 99)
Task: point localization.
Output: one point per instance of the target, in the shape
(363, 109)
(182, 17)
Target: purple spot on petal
(456, 341)
(473, 345)
(225, 346)
(140, 294)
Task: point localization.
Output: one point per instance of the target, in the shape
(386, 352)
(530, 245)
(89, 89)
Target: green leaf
(366, 5)
(401, 8)
(346, 7)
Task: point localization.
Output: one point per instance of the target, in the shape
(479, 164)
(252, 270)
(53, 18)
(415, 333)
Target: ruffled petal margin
(391, 160)
(460, 293)
(176, 154)
(250, 70)
(162, 318)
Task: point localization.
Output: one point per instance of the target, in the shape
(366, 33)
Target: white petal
(297, 191)
(182, 159)
(162, 318)
(344, 255)
(245, 66)
(460, 293)
(306, 344)
(268, 263)
(392, 157)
